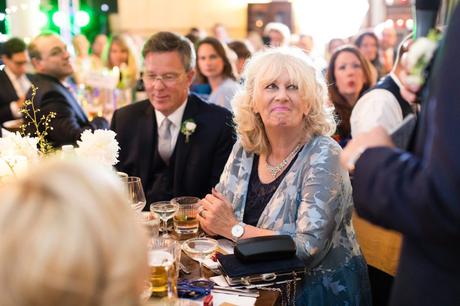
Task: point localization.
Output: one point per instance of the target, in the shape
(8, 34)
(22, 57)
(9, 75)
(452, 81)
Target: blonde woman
(67, 237)
(284, 177)
(120, 55)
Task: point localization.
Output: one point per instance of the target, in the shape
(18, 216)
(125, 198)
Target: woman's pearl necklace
(275, 170)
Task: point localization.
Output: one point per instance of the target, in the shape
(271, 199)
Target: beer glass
(185, 221)
(164, 259)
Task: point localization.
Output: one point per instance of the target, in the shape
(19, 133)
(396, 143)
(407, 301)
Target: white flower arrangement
(419, 56)
(99, 145)
(16, 152)
(13, 144)
(188, 128)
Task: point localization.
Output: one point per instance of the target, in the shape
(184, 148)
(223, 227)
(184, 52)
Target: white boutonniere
(419, 56)
(188, 128)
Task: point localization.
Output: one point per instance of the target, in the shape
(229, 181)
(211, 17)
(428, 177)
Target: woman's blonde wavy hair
(261, 70)
(68, 237)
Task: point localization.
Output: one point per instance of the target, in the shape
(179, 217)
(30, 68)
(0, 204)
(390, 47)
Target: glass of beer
(164, 259)
(185, 221)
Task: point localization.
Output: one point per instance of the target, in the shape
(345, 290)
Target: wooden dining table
(266, 297)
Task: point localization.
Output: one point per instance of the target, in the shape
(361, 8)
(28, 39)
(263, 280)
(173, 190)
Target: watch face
(237, 231)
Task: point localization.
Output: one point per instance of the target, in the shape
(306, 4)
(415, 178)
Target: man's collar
(396, 79)
(10, 73)
(175, 117)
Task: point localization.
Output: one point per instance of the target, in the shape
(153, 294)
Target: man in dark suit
(153, 133)
(14, 82)
(50, 59)
(418, 194)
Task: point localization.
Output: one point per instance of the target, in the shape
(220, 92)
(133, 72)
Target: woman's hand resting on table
(216, 215)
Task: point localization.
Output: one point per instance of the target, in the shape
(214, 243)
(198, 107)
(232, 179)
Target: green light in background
(42, 19)
(82, 19)
(58, 18)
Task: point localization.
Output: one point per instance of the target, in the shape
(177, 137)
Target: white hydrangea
(99, 145)
(13, 144)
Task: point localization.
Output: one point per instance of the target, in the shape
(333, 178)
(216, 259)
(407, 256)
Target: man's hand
(20, 101)
(377, 137)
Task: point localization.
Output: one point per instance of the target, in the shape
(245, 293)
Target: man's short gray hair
(169, 42)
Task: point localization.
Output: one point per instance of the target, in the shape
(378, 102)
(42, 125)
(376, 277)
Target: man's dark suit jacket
(195, 167)
(419, 194)
(7, 95)
(70, 119)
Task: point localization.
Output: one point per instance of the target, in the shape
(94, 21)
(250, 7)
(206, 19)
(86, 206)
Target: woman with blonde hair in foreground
(284, 177)
(67, 237)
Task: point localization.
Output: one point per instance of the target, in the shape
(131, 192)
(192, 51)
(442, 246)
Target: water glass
(165, 210)
(151, 224)
(185, 220)
(199, 249)
(135, 193)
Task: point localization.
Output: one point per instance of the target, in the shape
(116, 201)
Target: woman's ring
(201, 211)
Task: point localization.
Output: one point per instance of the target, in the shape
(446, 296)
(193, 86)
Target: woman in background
(82, 64)
(67, 237)
(121, 56)
(348, 77)
(214, 68)
(368, 44)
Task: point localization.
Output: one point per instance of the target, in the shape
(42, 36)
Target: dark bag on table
(262, 260)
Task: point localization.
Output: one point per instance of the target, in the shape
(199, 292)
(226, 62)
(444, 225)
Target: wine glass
(199, 249)
(165, 210)
(135, 193)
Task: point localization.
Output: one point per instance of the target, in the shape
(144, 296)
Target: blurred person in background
(242, 52)
(255, 41)
(383, 104)
(120, 55)
(220, 32)
(97, 50)
(51, 60)
(14, 82)
(68, 237)
(82, 61)
(417, 192)
(348, 77)
(368, 44)
(332, 45)
(214, 68)
(388, 46)
(194, 35)
(278, 34)
(305, 43)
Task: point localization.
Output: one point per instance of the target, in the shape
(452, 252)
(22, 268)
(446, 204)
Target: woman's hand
(216, 215)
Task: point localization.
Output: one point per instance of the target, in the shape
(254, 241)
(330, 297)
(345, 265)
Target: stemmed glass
(199, 249)
(165, 210)
(135, 193)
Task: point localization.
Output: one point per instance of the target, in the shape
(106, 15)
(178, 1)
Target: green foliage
(41, 124)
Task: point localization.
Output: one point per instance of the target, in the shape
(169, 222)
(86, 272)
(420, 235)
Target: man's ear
(190, 75)
(36, 63)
